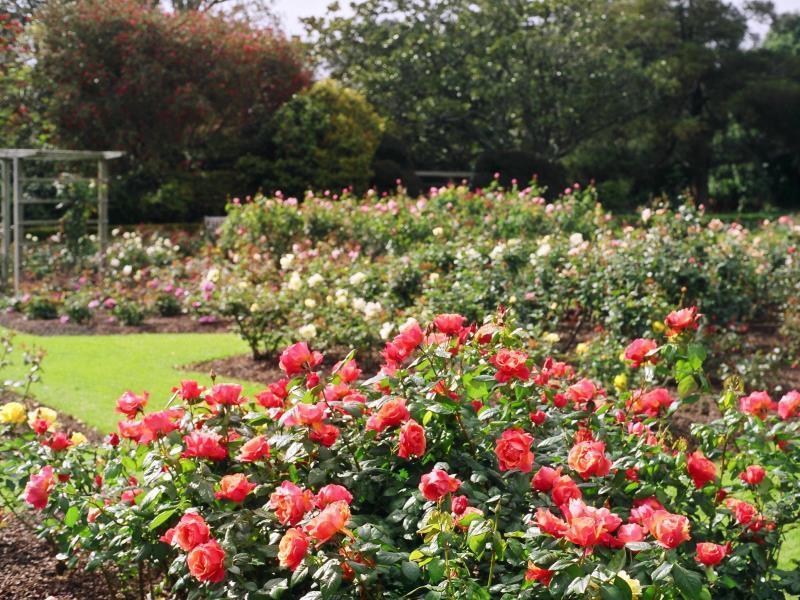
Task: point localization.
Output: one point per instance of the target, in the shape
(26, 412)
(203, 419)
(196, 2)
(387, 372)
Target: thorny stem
(494, 532)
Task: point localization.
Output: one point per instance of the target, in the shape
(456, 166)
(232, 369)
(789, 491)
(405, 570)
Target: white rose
(307, 332)
(286, 261)
(357, 278)
(310, 303)
(295, 282)
(315, 280)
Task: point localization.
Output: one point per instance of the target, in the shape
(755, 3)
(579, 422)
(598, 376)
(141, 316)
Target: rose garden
(501, 389)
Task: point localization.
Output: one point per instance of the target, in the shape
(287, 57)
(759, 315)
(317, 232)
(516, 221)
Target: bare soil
(47, 327)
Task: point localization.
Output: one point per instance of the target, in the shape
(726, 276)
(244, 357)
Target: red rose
(203, 444)
(234, 487)
(207, 562)
(159, 424)
(649, 403)
(513, 450)
(412, 439)
(539, 574)
(254, 449)
(710, 554)
(291, 502)
(510, 365)
(131, 430)
(332, 493)
(348, 372)
(458, 504)
(449, 324)
(226, 394)
(669, 530)
(129, 404)
(564, 490)
(437, 484)
(538, 417)
(324, 433)
(58, 442)
(38, 488)
(292, 549)
(403, 344)
(638, 350)
(189, 390)
(297, 358)
(544, 479)
(329, 522)
(701, 470)
(680, 320)
(743, 512)
(274, 395)
(190, 531)
(589, 458)
(753, 475)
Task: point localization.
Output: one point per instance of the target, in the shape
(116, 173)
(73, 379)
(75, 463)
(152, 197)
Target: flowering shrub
(472, 465)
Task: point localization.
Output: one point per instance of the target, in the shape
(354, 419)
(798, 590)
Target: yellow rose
(13, 413)
(658, 326)
(551, 338)
(636, 587)
(48, 415)
(581, 348)
(621, 382)
(78, 438)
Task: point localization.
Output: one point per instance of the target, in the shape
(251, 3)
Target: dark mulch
(241, 366)
(30, 571)
(182, 324)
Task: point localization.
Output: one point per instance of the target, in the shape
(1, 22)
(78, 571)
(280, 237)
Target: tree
(165, 87)
(456, 76)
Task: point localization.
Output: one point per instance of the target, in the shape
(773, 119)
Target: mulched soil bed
(181, 324)
(28, 567)
(30, 571)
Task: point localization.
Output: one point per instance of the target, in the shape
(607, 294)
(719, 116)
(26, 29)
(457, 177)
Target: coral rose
(234, 487)
(202, 444)
(392, 413)
(38, 488)
(329, 522)
(206, 562)
(292, 549)
(669, 530)
(709, 554)
(190, 531)
(589, 458)
(412, 439)
(513, 450)
(129, 404)
(681, 320)
(539, 574)
(638, 350)
(757, 404)
(437, 484)
(701, 469)
(253, 450)
(291, 502)
(564, 490)
(449, 324)
(753, 475)
(297, 358)
(332, 493)
(789, 405)
(510, 364)
(544, 479)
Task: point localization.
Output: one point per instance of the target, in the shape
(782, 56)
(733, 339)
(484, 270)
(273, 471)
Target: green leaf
(435, 570)
(410, 570)
(689, 583)
(72, 516)
(687, 386)
(161, 518)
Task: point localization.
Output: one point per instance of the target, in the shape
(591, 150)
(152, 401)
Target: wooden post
(19, 233)
(6, 217)
(102, 209)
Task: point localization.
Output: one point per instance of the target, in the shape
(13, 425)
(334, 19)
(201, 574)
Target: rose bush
(471, 465)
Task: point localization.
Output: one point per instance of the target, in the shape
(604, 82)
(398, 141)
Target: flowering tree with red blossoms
(125, 75)
(467, 467)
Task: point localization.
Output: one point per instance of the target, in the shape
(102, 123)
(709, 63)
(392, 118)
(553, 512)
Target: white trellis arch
(14, 199)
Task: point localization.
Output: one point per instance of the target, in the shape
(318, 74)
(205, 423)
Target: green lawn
(84, 375)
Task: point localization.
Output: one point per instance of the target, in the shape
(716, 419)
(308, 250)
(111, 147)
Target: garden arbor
(15, 198)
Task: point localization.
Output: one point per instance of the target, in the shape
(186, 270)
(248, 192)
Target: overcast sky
(291, 11)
